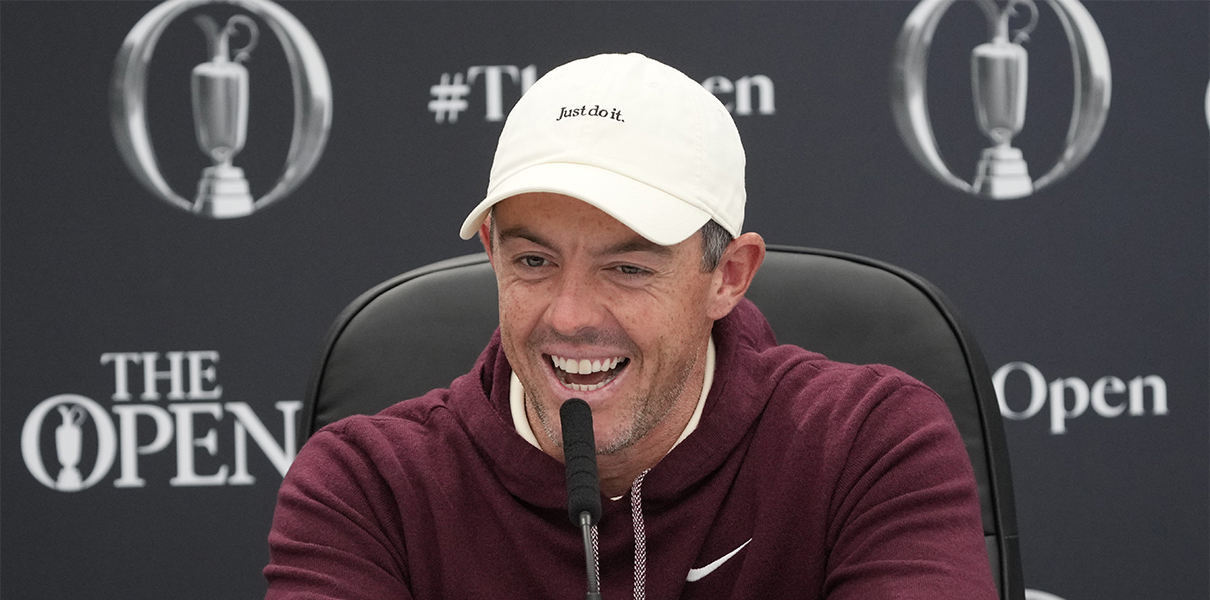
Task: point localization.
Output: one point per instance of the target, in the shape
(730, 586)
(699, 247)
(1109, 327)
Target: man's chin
(611, 435)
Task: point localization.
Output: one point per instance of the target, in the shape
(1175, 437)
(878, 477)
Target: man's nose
(577, 306)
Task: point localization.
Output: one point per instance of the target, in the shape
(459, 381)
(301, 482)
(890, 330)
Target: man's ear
(734, 273)
(485, 236)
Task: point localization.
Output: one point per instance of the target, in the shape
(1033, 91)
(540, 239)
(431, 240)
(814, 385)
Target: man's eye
(533, 261)
(630, 270)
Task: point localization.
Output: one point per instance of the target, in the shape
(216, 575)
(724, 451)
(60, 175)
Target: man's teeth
(585, 388)
(574, 366)
(585, 366)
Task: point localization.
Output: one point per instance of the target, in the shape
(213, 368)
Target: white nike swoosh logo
(696, 574)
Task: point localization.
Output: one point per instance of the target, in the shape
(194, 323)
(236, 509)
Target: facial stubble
(646, 412)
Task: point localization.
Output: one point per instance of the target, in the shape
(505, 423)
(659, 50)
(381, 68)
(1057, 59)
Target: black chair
(420, 330)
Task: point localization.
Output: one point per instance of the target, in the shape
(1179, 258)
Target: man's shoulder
(777, 362)
(752, 342)
(848, 377)
(415, 436)
(805, 389)
(802, 387)
(413, 414)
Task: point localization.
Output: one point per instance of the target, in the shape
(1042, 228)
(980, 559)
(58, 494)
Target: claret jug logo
(68, 441)
(220, 95)
(999, 84)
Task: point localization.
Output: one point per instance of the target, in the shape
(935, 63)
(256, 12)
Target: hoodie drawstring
(640, 540)
(596, 553)
(640, 537)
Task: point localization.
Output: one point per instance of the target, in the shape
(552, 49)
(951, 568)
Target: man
(732, 467)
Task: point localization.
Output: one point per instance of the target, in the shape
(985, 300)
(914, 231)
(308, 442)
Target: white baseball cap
(630, 136)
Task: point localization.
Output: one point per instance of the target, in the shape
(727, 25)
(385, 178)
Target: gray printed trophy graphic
(69, 441)
(999, 79)
(220, 118)
(220, 104)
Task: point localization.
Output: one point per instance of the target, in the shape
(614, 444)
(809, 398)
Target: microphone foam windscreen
(580, 460)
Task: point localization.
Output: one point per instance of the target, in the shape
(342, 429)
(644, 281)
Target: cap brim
(650, 212)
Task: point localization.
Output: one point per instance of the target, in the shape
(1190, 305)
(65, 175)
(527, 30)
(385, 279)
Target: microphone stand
(594, 587)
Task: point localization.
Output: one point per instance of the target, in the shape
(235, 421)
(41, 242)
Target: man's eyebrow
(639, 244)
(522, 232)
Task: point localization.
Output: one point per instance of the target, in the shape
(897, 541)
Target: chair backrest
(420, 330)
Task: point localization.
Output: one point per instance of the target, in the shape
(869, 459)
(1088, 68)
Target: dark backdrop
(1102, 274)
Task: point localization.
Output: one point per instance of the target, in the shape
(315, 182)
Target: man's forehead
(635, 243)
(548, 205)
(540, 217)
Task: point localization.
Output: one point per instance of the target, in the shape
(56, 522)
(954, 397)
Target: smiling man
(731, 467)
(591, 309)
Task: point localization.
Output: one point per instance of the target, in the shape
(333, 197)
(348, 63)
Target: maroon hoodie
(806, 478)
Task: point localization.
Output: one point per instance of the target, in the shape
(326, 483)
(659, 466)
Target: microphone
(583, 487)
